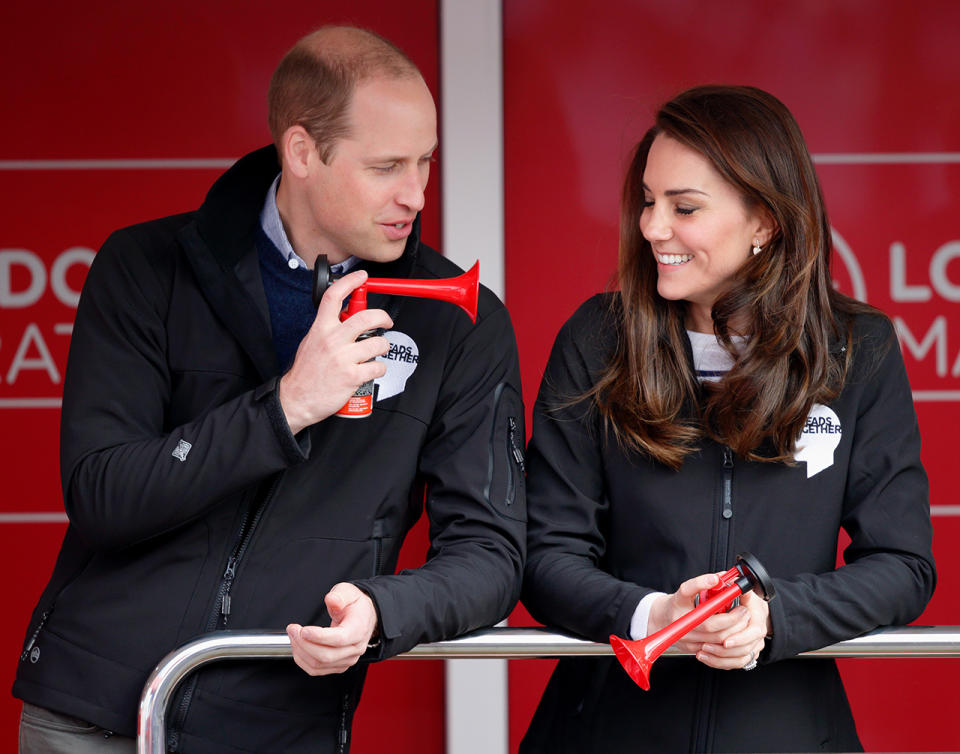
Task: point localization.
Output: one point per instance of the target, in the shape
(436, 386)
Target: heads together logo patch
(401, 361)
(820, 437)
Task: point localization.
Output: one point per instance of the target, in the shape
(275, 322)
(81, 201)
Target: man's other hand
(353, 619)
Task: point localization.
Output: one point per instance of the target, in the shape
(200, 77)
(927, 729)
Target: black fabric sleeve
(126, 475)
(565, 585)
(889, 574)
(472, 465)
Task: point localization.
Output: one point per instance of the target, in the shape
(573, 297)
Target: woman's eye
(646, 203)
(686, 210)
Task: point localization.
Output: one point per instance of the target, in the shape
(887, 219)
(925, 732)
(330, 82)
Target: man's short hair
(314, 83)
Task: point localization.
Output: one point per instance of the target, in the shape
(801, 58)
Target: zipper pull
(727, 511)
(514, 449)
(228, 575)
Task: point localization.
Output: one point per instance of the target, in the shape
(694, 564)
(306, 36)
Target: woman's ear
(766, 227)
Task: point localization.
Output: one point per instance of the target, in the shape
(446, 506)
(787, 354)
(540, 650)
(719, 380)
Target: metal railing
(490, 643)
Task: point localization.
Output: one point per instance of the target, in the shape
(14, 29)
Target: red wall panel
(107, 81)
(581, 84)
(102, 81)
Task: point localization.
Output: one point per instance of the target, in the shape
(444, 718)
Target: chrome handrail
(490, 643)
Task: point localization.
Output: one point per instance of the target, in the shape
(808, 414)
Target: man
(208, 481)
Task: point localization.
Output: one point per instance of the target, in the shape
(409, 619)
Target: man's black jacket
(193, 508)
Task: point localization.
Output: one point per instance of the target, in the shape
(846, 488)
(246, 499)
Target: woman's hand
(725, 641)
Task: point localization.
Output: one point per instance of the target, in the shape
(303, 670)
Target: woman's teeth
(674, 258)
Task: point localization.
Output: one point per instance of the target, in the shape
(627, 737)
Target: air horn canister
(462, 290)
(638, 656)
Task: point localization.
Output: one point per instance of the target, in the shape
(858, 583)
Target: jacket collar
(224, 234)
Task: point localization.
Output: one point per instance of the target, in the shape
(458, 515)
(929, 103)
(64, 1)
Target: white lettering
(936, 336)
(45, 361)
(899, 290)
(38, 278)
(58, 273)
(938, 271)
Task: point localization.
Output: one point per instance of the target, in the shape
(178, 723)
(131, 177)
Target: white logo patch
(401, 361)
(820, 437)
(180, 452)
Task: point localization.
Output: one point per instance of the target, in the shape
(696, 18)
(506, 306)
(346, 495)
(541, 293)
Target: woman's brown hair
(782, 298)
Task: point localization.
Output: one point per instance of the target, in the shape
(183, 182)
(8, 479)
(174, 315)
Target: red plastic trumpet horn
(637, 657)
(462, 290)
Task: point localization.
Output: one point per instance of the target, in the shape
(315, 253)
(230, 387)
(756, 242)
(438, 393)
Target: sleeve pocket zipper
(517, 453)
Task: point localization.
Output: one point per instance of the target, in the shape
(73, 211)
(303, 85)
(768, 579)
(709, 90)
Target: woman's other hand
(726, 641)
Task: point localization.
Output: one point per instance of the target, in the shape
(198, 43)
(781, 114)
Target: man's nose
(411, 191)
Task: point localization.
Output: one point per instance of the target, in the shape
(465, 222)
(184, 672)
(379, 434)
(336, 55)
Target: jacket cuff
(776, 644)
(630, 599)
(376, 649)
(295, 449)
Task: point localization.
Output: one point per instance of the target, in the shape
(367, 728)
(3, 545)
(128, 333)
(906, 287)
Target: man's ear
(297, 151)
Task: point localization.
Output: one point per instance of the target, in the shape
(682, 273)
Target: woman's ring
(752, 664)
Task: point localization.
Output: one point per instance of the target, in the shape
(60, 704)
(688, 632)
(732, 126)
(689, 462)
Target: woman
(725, 399)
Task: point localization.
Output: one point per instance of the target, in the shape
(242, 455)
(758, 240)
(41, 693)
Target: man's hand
(725, 641)
(330, 364)
(353, 619)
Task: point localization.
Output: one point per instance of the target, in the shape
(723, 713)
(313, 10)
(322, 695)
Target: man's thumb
(335, 605)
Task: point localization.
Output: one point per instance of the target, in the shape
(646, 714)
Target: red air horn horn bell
(637, 657)
(462, 290)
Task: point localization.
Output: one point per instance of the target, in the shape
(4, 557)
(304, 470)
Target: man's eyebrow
(399, 158)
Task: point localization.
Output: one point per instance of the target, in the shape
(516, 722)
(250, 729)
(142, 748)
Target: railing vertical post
(163, 681)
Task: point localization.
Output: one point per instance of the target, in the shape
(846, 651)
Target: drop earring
(756, 247)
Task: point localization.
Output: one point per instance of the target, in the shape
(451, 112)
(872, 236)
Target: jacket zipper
(705, 723)
(36, 633)
(222, 608)
(726, 511)
(517, 453)
(343, 735)
(377, 546)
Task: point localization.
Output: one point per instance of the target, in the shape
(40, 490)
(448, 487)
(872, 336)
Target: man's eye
(385, 168)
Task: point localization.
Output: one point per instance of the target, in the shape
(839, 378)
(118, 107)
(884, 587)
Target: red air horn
(462, 290)
(637, 657)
